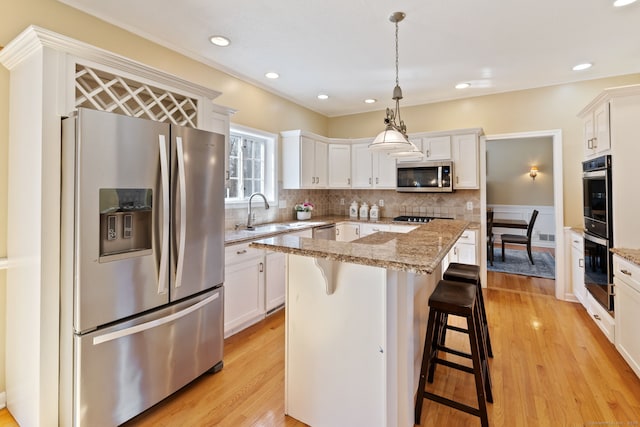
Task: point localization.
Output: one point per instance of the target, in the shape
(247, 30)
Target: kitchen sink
(268, 228)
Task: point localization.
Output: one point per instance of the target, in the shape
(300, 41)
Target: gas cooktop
(411, 218)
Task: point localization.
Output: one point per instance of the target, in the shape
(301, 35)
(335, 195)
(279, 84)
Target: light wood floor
(552, 367)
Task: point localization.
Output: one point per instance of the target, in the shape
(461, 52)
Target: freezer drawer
(123, 370)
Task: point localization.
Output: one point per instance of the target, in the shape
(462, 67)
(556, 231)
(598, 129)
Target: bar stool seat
(469, 273)
(458, 299)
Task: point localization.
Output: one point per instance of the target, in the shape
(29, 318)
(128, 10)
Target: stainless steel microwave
(425, 177)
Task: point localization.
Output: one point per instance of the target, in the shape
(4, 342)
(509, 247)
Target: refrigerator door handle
(183, 211)
(164, 247)
(154, 323)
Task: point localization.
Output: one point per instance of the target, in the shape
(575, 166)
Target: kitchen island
(355, 322)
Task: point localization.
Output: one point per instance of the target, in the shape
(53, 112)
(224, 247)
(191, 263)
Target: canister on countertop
(364, 210)
(373, 212)
(353, 210)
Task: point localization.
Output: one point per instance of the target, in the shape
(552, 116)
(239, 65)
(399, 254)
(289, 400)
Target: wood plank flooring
(552, 367)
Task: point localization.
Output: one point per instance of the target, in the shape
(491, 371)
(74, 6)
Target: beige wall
(554, 107)
(508, 165)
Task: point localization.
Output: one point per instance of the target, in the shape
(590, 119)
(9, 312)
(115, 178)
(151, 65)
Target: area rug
(517, 262)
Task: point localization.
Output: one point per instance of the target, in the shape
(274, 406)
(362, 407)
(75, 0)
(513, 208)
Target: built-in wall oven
(598, 226)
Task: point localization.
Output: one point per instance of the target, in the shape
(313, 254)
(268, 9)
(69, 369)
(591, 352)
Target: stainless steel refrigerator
(142, 263)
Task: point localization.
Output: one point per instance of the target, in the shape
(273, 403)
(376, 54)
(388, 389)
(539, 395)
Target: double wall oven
(598, 229)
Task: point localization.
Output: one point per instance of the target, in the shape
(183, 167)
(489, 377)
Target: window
(251, 164)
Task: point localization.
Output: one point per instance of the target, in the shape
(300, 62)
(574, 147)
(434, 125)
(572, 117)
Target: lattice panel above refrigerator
(104, 91)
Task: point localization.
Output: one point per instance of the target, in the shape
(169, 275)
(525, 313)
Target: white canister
(364, 210)
(373, 212)
(353, 210)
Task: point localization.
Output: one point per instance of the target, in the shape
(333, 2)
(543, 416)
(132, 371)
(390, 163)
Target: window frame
(270, 161)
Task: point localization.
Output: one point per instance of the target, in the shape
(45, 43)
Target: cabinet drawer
(627, 272)
(577, 241)
(238, 253)
(468, 237)
(603, 319)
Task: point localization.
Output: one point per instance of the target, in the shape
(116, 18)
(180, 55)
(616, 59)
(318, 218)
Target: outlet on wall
(469, 206)
(381, 202)
(342, 202)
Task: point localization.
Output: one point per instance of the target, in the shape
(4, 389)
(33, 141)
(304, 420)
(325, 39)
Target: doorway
(558, 210)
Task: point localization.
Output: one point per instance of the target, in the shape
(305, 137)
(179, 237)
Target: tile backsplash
(328, 202)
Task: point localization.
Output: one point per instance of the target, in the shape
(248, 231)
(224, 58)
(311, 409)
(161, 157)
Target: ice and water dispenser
(125, 223)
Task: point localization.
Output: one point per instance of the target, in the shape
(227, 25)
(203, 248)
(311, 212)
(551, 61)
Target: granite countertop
(632, 255)
(419, 251)
(262, 231)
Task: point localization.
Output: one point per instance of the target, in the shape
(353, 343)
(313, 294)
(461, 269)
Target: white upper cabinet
(464, 149)
(597, 138)
(339, 165)
(370, 169)
(437, 147)
(304, 160)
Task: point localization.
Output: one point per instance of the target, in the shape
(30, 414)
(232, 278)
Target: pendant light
(393, 139)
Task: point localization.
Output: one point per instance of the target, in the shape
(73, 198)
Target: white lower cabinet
(464, 251)
(347, 231)
(244, 299)
(601, 316)
(627, 306)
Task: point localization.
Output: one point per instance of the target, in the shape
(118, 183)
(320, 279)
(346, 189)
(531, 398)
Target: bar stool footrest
(452, 403)
(454, 352)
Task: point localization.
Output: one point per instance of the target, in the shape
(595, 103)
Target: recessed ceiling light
(323, 96)
(581, 67)
(463, 85)
(370, 101)
(220, 41)
(272, 75)
(620, 3)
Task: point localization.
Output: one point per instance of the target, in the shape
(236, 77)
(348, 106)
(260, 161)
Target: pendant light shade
(393, 139)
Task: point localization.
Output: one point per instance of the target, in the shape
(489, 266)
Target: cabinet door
(627, 320)
(601, 128)
(361, 166)
(384, 167)
(588, 136)
(465, 159)
(275, 280)
(577, 270)
(244, 295)
(307, 162)
(339, 165)
(320, 164)
(437, 147)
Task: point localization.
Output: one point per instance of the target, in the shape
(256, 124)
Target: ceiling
(346, 48)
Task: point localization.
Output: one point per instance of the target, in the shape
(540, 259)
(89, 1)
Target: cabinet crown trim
(34, 38)
(609, 94)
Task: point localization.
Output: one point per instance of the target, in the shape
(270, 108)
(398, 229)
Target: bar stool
(458, 299)
(469, 273)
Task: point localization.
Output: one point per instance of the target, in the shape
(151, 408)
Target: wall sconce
(533, 172)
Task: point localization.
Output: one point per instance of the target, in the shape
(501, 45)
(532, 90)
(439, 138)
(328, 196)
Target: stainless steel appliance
(598, 234)
(326, 232)
(425, 177)
(142, 266)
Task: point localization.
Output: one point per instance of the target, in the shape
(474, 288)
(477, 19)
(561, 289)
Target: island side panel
(336, 355)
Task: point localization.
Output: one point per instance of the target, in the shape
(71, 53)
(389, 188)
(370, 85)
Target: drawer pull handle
(595, 316)
(576, 241)
(627, 272)
(581, 263)
(244, 251)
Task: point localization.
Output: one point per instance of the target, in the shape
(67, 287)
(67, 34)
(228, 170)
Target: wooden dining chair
(519, 239)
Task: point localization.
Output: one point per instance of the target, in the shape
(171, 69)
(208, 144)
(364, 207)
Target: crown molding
(34, 38)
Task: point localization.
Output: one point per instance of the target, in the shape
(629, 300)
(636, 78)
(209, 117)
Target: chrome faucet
(266, 206)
